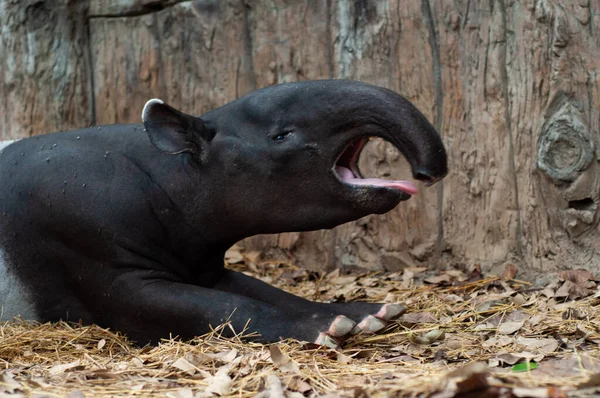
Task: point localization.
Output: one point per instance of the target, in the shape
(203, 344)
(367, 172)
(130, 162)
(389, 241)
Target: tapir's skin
(126, 225)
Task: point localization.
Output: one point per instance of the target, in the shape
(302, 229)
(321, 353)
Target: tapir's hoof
(390, 312)
(339, 328)
(326, 340)
(374, 323)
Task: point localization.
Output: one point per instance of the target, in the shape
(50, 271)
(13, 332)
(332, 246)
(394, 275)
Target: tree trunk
(511, 85)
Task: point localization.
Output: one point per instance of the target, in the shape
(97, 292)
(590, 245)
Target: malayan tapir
(126, 226)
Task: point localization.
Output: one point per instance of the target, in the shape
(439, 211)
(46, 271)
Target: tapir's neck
(201, 216)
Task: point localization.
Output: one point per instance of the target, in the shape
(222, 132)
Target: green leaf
(524, 367)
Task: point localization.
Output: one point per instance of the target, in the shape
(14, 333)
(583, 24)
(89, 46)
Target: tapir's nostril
(427, 177)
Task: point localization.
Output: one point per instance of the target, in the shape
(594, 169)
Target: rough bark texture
(513, 86)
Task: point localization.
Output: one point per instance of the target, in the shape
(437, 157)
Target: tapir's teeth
(148, 106)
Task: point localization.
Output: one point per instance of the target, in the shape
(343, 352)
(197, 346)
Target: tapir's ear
(173, 131)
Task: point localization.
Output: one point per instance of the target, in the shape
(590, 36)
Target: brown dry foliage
(461, 338)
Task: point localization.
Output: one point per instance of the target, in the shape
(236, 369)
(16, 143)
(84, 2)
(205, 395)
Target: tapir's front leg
(371, 317)
(159, 308)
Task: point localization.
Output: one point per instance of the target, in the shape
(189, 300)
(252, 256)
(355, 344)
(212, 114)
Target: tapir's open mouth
(346, 169)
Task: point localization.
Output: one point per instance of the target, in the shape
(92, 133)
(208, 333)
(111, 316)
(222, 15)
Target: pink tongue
(348, 177)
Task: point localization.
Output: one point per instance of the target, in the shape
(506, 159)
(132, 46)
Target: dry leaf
(220, 383)
(233, 256)
(225, 356)
(592, 381)
(183, 365)
(542, 345)
(510, 327)
(512, 358)
(426, 338)
(577, 276)
(181, 393)
(274, 388)
(418, 317)
(8, 384)
(468, 370)
(536, 319)
(56, 369)
(282, 361)
(572, 290)
(298, 384)
(531, 392)
(76, 394)
(436, 280)
(509, 272)
(497, 341)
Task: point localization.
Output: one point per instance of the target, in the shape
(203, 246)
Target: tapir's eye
(282, 136)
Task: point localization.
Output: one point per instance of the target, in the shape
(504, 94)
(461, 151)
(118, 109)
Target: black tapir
(126, 226)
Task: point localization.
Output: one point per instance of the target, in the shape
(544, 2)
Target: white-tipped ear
(149, 104)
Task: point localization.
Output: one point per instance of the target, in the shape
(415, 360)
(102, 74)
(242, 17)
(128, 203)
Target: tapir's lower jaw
(376, 200)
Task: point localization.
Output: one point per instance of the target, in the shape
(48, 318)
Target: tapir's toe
(389, 312)
(338, 330)
(369, 325)
(341, 326)
(326, 340)
(375, 323)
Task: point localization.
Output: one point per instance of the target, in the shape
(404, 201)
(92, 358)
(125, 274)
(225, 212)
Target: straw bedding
(464, 335)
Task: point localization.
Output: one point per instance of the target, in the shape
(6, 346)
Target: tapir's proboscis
(126, 226)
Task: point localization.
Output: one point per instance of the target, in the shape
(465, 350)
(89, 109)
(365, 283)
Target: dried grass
(481, 328)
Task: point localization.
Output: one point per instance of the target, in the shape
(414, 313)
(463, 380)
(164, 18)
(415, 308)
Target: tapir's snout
(376, 111)
(411, 133)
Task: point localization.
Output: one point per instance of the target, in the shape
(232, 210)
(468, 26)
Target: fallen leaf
(220, 383)
(572, 290)
(509, 272)
(76, 394)
(578, 276)
(225, 356)
(56, 369)
(475, 382)
(418, 317)
(592, 381)
(542, 345)
(274, 389)
(497, 341)
(298, 384)
(513, 358)
(468, 370)
(510, 327)
(8, 384)
(426, 338)
(184, 365)
(233, 256)
(522, 392)
(519, 299)
(436, 280)
(343, 280)
(181, 393)
(282, 361)
(536, 319)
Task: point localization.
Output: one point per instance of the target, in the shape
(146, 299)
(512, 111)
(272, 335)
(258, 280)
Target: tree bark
(512, 86)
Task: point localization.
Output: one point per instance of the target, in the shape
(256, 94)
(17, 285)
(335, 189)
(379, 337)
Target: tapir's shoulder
(95, 159)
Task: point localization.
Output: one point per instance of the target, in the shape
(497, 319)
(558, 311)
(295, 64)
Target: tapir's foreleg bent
(161, 308)
(371, 317)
